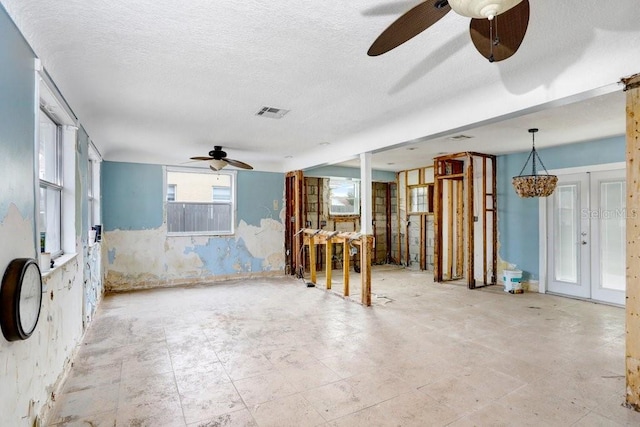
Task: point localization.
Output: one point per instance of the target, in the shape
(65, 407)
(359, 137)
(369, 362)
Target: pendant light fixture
(534, 185)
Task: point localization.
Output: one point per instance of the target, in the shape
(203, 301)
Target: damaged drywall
(150, 258)
(35, 366)
(140, 252)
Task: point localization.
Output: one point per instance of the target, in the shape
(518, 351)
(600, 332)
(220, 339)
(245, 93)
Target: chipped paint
(139, 259)
(39, 363)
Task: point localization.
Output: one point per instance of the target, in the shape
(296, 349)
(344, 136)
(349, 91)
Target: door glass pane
(566, 226)
(612, 235)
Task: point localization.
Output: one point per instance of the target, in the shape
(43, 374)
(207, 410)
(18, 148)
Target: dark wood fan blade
(409, 25)
(238, 163)
(510, 28)
(201, 158)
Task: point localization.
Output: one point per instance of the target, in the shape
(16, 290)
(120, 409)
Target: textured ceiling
(161, 81)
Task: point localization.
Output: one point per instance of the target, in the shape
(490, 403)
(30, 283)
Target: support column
(632, 86)
(366, 213)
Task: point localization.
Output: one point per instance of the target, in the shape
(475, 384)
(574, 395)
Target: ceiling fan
(497, 26)
(218, 159)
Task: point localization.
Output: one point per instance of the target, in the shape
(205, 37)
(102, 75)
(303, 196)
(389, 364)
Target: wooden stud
(484, 220)
(346, 258)
(329, 263)
(460, 229)
(388, 225)
(406, 212)
(437, 223)
(365, 269)
(632, 87)
(470, 227)
(450, 233)
(312, 258)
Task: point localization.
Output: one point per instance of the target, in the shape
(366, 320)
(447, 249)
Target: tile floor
(276, 353)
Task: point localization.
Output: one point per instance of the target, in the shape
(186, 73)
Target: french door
(586, 243)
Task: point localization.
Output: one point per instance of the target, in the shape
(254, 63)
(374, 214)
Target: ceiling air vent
(459, 137)
(273, 113)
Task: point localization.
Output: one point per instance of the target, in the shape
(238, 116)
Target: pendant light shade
(482, 9)
(534, 185)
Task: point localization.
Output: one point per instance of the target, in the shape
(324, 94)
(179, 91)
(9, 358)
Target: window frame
(428, 188)
(93, 187)
(232, 202)
(57, 185)
(356, 203)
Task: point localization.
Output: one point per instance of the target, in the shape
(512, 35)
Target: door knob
(584, 242)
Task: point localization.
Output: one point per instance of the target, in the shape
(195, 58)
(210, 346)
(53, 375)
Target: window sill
(59, 262)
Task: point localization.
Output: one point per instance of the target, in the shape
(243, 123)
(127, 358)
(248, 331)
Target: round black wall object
(20, 299)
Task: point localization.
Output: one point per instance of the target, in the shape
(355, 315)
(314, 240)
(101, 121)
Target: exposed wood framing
(459, 228)
(632, 86)
(328, 238)
(437, 224)
(450, 230)
(471, 282)
(366, 247)
(448, 175)
(294, 182)
(346, 258)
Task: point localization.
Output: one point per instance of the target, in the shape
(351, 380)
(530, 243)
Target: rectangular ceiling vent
(271, 112)
(459, 137)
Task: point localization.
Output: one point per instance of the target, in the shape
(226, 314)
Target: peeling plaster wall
(140, 254)
(518, 218)
(31, 370)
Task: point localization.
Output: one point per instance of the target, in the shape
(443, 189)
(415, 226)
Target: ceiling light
(216, 164)
(534, 185)
(482, 8)
(272, 112)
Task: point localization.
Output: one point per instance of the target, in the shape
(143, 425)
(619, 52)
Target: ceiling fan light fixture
(481, 9)
(216, 164)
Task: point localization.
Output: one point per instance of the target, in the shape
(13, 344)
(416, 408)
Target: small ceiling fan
(497, 26)
(218, 160)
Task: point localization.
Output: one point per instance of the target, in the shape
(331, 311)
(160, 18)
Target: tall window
(204, 203)
(93, 187)
(345, 196)
(50, 174)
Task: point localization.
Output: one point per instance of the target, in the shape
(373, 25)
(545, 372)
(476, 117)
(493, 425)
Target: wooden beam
(459, 228)
(484, 220)
(437, 223)
(450, 235)
(365, 269)
(346, 258)
(312, 259)
(632, 86)
(470, 227)
(329, 263)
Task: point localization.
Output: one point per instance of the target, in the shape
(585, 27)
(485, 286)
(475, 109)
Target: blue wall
(132, 196)
(518, 218)
(260, 195)
(344, 172)
(17, 118)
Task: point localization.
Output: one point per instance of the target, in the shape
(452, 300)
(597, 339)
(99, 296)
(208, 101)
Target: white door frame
(542, 215)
